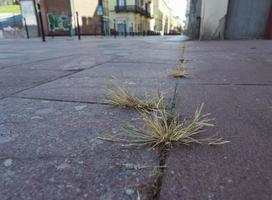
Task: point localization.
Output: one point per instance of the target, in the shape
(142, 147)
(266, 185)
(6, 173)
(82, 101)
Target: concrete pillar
(213, 18)
(269, 25)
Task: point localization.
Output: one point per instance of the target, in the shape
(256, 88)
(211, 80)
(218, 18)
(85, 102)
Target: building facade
(60, 17)
(8, 2)
(176, 24)
(130, 16)
(228, 19)
(161, 16)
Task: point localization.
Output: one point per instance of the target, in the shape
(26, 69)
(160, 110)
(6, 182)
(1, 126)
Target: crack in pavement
(164, 150)
(60, 100)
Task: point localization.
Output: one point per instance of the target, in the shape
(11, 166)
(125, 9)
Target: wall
(213, 17)
(193, 13)
(55, 16)
(230, 19)
(247, 19)
(89, 21)
(60, 17)
(269, 25)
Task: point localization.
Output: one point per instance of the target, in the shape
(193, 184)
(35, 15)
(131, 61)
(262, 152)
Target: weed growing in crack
(183, 61)
(118, 95)
(163, 129)
(179, 71)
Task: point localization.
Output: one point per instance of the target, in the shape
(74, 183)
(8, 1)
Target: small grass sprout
(183, 60)
(179, 71)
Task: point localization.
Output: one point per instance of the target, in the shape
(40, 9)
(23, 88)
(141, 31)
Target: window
(121, 2)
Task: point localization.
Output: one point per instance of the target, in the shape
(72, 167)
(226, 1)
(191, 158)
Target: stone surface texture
(53, 111)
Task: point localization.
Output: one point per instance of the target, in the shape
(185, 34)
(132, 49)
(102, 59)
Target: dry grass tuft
(118, 95)
(179, 71)
(162, 128)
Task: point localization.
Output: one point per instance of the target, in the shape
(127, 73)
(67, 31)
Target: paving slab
(238, 93)
(48, 133)
(74, 62)
(90, 85)
(144, 49)
(93, 90)
(214, 70)
(242, 46)
(17, 52)
(16, 79)
(152, 56)
(128, 71)
(50, 150)
(253, 52)
(238, 170)
(229, 62)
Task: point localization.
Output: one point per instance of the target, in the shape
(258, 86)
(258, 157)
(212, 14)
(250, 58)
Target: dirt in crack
(162, 152)
(153, 188)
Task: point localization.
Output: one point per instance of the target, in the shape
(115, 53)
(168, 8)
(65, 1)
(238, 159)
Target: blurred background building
(130, 16)
(60, 17)
(161, 16)
(176, 26)
(228, 19)
(8, 2)
(95, 17)
(141, 16)
(10, 19)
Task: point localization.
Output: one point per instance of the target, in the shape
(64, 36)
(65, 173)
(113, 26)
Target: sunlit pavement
(52, 110)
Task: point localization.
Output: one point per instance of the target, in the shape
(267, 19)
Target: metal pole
(37, 17)
(70, 17)
(102, 26)
(78, 27)
(41, 22)
(114, 28)
(125, 28)
(26, 28)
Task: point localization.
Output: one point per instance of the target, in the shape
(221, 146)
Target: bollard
(114, 21)
(26, 28)
(78, 27)
(41, 22)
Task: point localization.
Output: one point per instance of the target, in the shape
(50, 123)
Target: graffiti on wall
(58, 22)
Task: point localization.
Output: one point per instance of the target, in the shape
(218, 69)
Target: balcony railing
(132, 8)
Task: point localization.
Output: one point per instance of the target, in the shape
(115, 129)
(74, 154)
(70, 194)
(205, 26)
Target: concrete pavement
(234, 80)
(52, 110)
